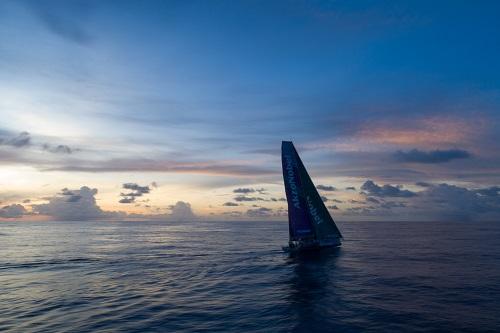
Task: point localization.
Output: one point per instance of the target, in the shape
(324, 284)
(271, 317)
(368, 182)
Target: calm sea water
(233, 277)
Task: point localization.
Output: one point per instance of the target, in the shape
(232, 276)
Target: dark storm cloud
(64, 18)
(327, 188)
(13, 211)
(385, 191)
(433, 156)
(230, 204)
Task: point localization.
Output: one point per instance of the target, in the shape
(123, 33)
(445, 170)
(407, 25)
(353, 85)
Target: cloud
(58, 149)
(423, 184)
(385, 191)
(21, 140)
(181, 211)
(350, 188)
(13, 211)
(334, 207)
(259, 212)
(241, 198)
(372, 200)
(336, 200)
(490, 191)
(325, 199)
(243, 190)
(326, 188)
(451, 202)
(60, 208)
(249, 190)
(230, 204)
(150, 165)
(436, 202)
(433, 156)
(137, 191)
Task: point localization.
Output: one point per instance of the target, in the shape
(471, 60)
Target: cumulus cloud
(60, 208)
(181, 211)
(455, 202)
(435, 202)
(327, 188)
(385, 191)
(433, 156)
(13, 211)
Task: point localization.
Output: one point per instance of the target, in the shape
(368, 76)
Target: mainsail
(307, 215)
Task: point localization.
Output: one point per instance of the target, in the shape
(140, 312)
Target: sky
(176, 109)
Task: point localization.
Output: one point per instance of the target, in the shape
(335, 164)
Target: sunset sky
(177, 109)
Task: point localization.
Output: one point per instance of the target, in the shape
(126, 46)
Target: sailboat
(310, 225)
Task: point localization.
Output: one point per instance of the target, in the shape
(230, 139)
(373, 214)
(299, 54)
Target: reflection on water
(312, 285)
(226, 277)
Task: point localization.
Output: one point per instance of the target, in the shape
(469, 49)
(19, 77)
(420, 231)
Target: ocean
(234, 277)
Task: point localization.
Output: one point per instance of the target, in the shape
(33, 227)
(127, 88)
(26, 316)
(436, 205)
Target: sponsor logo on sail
(314, 212)
(291, 181)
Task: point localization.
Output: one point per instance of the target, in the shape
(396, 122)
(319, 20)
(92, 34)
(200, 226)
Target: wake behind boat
(310, 225)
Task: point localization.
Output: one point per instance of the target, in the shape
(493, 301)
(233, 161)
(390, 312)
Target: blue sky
(196, 96)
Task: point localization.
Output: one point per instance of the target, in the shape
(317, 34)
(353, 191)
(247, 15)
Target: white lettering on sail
(314, 212)
(291, 181)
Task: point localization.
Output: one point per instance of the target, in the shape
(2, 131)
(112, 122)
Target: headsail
(304, 194)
